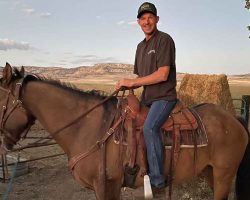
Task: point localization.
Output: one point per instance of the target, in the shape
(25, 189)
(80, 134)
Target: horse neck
(54, 107)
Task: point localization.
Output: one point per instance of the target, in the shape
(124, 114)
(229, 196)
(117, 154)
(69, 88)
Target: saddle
(181, 121)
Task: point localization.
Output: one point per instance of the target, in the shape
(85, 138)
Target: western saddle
(181, 119)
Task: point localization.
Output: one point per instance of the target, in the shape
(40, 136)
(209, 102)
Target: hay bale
(195, 89)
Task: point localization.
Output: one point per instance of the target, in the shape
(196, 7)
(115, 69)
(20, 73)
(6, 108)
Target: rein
(75, 159)
(99, 143)
(115, 93)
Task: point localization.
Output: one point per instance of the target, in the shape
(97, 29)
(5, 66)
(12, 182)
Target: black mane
(16, 74)
(70, 87)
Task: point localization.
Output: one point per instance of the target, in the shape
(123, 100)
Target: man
(155, 67)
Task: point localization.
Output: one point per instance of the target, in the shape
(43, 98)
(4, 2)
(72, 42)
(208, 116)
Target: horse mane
(98, 94)
(71, 87)
(16, 74)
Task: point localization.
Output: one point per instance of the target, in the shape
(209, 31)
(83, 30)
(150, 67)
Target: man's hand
(125, 82)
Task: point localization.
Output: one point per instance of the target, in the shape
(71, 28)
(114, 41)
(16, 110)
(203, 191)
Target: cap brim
(143, 12)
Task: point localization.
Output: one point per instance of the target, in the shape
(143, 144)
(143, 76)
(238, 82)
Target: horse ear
(7, 73)
(22, 71)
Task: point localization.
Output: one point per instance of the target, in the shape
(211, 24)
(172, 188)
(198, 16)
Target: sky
(211, 37)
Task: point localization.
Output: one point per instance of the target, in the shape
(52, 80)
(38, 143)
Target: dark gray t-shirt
(157, 52)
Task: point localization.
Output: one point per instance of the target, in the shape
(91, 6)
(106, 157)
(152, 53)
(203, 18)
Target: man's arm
(158, 76)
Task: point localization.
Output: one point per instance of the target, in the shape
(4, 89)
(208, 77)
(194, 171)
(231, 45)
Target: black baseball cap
(145, 8)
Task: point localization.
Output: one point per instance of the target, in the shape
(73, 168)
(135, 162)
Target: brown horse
(81, 128)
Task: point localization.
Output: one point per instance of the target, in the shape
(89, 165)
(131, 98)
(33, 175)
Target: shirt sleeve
(165, 54)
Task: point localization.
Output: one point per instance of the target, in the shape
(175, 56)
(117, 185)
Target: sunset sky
(210, 36)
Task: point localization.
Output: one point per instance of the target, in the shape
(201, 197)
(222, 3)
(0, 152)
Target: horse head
(15, 120)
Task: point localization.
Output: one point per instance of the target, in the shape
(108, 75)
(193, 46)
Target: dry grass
(237, 90)
(107, 88)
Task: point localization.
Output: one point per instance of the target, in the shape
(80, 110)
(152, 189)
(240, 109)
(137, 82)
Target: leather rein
(100, 143)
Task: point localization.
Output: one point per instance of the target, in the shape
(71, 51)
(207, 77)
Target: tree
(247, 6)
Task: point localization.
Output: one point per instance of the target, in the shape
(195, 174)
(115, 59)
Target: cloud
(25, 9)
(44, 15)
(91, 59)
(68, 53)
(28, 11)
(33, 12)
(120, 22)
(7, 44)
(63, 61)
(124, 23)
(86, 56)
(133, 23)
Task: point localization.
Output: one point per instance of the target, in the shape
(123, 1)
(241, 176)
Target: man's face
(148, 23)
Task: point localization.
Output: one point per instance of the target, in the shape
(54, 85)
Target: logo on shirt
(151, 51)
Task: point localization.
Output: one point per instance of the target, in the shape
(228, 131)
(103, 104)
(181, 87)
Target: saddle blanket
(187, 138)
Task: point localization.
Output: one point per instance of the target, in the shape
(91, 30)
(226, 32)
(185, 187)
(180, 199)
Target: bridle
(11, 103)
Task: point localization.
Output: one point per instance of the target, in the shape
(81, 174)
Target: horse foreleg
(208, 173)
(223, 179)
(112, 190)
(99, 191)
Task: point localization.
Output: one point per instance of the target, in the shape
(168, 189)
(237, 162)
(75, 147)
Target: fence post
(245, 107)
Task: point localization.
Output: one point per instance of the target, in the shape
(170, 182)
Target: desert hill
(105, 73)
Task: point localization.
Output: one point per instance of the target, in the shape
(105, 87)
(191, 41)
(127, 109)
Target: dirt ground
(50, 179)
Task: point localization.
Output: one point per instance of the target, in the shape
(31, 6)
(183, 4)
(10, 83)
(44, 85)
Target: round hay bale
(195, 89)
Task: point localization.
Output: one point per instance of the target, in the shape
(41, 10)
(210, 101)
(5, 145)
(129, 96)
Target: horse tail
(243, 175)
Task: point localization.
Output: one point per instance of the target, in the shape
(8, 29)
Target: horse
(82, 124)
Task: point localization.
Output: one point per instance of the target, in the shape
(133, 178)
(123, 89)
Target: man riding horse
(156, 70)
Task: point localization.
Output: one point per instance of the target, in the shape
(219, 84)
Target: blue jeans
(157, 115)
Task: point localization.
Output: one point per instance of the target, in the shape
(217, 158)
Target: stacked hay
(196, 89)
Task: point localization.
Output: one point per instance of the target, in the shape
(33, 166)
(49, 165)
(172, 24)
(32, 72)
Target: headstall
(11, 102)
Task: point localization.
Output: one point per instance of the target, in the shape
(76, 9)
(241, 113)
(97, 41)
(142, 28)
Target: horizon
(210, 37)
(178, 72)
